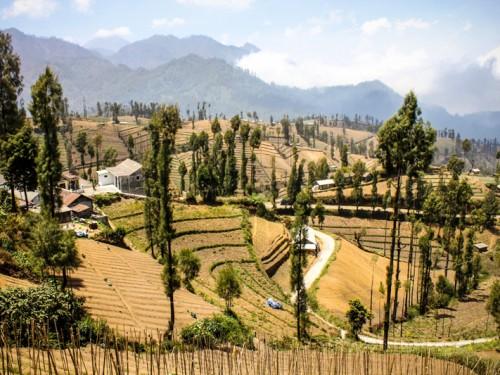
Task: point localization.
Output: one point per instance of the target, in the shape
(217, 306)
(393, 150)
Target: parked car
(274, 304)
(81, 233)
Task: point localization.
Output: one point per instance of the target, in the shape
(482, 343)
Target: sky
(447, 51)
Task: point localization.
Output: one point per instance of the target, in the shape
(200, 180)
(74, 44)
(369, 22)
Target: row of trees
(30, 165)
(213, 169)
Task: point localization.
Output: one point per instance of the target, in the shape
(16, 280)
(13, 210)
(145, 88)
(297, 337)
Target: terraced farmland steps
(277, 255)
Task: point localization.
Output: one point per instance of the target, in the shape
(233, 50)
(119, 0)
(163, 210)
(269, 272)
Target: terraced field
(124, 287)
(217, 235)
(110, 137)
(272, 244)
(9, 281)
(349, 276)
(374, 235)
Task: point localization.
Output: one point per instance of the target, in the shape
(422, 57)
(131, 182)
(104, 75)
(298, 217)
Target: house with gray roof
(127, 177)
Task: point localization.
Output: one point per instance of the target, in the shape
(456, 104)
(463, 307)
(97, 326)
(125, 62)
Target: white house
(320, 185)
(126, 176)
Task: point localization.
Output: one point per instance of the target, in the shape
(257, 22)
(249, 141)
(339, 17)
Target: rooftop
(125, 168)
(324, 182)
(69, 197)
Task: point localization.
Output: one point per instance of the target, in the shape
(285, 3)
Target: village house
(127, 177)
(70, 181)
(320, 185)
(481, 247)
(309, 242)
(75, 205)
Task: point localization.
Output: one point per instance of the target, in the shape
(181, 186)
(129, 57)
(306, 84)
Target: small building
(481, 247)
(77, 204)
(320, 185)
(126, 176)
(367, 177)
(70, 181)
(348, 177)
(475, 171)
(104, 178)
(309, 243)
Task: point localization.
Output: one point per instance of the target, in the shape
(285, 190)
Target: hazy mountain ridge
(160, 49)
(191, 79)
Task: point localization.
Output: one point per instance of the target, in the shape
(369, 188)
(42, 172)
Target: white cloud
(467, 26)
(121, 31)
(169, 23)
(30, 8)
(412, 23)
(82, 5)
(373, 26)
(235, 4)
(394, 66)
(491, 59)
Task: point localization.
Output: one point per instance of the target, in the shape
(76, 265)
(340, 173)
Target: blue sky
(427, 46)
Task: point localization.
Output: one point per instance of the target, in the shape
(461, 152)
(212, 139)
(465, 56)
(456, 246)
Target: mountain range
(195, 69)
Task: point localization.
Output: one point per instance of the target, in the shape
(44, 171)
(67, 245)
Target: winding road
(315, 272)
(320, 262)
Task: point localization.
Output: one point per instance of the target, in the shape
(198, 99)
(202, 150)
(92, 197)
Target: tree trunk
(13, 207)
(26, 198)
(171, 322)
(409, 276)
(398, 269)
(371, 297)
(65, 278)
(390, 270)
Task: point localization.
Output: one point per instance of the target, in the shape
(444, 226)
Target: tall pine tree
(45, 108)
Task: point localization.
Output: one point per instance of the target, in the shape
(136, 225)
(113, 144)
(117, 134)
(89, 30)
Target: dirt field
(8, 281)
(264, 233)
(349, 277)
(119, 284)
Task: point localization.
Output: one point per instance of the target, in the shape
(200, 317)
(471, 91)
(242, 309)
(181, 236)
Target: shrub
(112, 236)
(261, 210)
(217, 330)
(357, 315)
(46, 304)
(444, 292)
(95, 331)
(228, 285)
(106, 199)
(493, 305)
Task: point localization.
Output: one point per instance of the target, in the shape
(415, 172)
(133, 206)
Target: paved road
(377, 341)
(326, 252)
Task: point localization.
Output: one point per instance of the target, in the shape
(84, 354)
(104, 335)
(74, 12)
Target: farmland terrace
(220, 235)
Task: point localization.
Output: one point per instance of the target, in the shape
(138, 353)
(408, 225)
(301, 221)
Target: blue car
(274, 304)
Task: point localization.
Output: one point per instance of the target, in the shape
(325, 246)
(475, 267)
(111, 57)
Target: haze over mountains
(198, 68)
